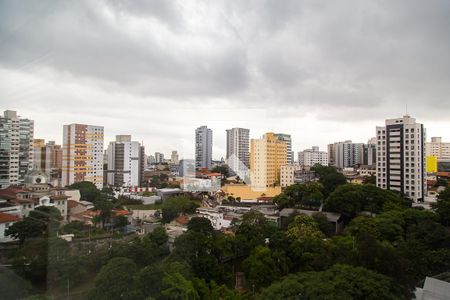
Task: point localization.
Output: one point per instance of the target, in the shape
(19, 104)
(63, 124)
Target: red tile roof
(73, 203)
(6, 218)
(122, 212)
(12, 191)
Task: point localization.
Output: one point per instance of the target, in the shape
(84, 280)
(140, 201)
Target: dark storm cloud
(359, 59)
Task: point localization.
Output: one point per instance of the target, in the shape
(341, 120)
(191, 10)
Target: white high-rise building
(174, 158)
(287, 139)
(125, 162)
(82, 154)
(437, 148)
(159, 157)
(401, 157)
(346, 154)
(203, 147)
(16, 148)
(238, 149)
(310, 157)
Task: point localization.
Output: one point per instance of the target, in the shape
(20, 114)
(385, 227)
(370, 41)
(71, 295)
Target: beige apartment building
(82, 154)
(437, 148)
(267, 155)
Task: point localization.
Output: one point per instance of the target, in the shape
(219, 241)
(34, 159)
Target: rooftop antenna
(407, 109)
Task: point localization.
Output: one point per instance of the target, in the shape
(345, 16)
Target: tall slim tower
(289, 153)
(82, 154)
(401, 157)
(203, 147)
(238, 155)
(125, 162)
(16, 148)
(267, 156)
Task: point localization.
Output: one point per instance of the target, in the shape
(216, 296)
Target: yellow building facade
(267, 155)
(431, 164)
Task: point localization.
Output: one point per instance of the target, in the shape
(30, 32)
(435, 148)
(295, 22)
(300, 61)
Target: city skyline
(347, 68)
(219, 152)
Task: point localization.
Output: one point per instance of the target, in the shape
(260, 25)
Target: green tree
(200, 224)
(115, 280)
(158, 236)
(442, 207)
(252, 231)
(174, 206)
(323, 223)
(88, 190)
(306, 195)
(329, 177)
(178, 287)
(260, 268)
(351, 199)
(304, 226)
(42, 221)
(74, 227)
(119, 221)
(338, 282)
(105, 207)
(372, 179)
(223, 169)
(149, 280)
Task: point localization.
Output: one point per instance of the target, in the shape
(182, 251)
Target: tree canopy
(338, 282)
(176, 205)
(351, 199)
(44, 220)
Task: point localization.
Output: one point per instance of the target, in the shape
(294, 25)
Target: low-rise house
(75, 208)
(6, 220)
(367, 170)
(434, 288)
(167, 193)
(87, 217)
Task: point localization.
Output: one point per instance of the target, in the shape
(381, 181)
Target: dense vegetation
(385, 252)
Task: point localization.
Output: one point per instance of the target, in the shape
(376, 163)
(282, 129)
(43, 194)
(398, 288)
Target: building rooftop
(7, 218)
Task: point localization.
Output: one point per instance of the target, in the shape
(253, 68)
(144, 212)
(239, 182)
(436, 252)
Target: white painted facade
(401, 157)
(437, 148)
(310, 157)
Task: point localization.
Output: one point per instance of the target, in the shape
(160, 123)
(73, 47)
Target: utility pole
(68, 289)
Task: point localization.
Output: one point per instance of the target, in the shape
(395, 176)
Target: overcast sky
(322, 71)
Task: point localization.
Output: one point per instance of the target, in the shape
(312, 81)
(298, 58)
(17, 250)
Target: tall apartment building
(401, 157)
(82, 154)
(151, 160)
(238, 154)
(331, 155)
(438, 149)
(289, 153)
(346, 154)
(125, 162)
(310, 157)
(174, 158)
(203, 147)
(16, 148)
(47, 157)
(370, 152)
(267, 155)
(159, 157)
